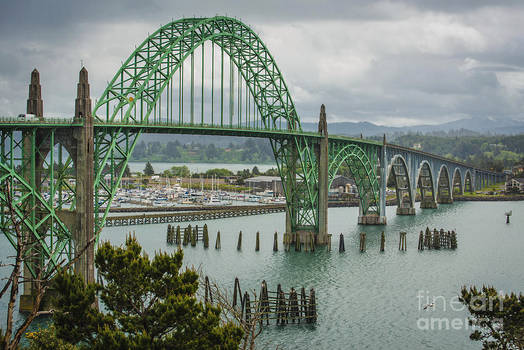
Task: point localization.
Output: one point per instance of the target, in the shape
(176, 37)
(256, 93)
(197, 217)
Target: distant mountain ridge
(462, 127)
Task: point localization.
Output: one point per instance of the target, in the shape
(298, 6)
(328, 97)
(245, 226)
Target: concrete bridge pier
(323, 178)
(35, 105)
(84, 216)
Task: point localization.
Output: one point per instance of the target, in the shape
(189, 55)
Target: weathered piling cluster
(191, 235)
(437, 239)
(277, 305)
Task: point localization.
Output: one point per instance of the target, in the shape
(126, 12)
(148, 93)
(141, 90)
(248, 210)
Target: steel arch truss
(135, 89)
(362, 161)
(298, 168)
(40, 185)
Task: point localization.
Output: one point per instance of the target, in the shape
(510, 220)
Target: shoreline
(488, 198)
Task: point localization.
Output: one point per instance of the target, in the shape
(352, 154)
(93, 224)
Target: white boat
(214, 201)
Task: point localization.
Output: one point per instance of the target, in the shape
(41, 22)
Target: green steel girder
(25, 169)
(298, 169)
(362, 161)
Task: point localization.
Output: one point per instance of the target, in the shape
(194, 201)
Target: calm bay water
(366, 300)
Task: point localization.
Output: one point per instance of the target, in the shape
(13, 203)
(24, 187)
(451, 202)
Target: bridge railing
(168, 123)
(46, 120)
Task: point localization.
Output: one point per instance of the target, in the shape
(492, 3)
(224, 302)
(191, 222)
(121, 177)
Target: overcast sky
(389, 62)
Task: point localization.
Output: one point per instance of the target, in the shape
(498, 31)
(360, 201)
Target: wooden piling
(217, 243)
(237, 293)
(275, 243)
(436, 239)
(362, 242)
(341, 246)
(298, 244)
(453, 240)
(264, 303)
(312, 307)
(177, 237)
(239, 243)
(208, 295)
(312, 241)
(205, 237)
(421, 241)
(257, 244)
(428, 239)
(382, 241)
(303, 302)
(186, 236)
(196, 233)
(294, 312)
(194, 236)
(402, 241)
(329, 242)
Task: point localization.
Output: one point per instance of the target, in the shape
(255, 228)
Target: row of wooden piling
(402, 245)
(430, 240)
(437, 239)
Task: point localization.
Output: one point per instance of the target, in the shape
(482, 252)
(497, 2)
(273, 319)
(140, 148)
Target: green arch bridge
(208, 76)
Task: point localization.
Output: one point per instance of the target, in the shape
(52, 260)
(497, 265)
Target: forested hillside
(250, 151)
(491, 152)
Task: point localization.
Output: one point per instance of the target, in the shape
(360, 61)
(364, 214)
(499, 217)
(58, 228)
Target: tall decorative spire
(83, 99)
(35, 104)
(322, 123)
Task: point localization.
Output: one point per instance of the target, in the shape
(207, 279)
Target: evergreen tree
(149, 304)
(498, 318)
(148, 170)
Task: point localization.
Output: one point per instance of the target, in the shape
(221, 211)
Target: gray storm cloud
(394, 63)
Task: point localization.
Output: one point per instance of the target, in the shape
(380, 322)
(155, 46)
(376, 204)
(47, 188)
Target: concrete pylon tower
(84, 228)
(323, 186)
(35, 104)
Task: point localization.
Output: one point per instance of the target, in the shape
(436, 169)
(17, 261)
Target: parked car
(27, 117)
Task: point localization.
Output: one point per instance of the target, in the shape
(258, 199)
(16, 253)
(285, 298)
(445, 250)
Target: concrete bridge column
(323, 187)
(84, 135)
(35, 105)
(383, 179)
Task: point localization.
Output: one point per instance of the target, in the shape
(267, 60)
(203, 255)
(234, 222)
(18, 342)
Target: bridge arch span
(444, 189)
(457, 182)
(398, 174)
(468, 182)
(425, 183)
(363, 172)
